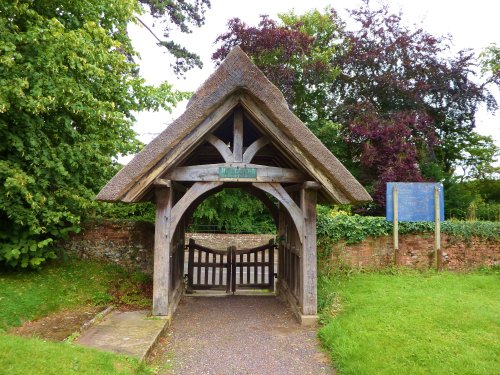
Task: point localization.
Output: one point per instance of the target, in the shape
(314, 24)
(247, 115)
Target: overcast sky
(472, 24)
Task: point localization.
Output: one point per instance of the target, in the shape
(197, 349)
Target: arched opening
(230, 237)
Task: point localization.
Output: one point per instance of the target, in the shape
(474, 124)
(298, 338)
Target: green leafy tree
(182, 14)
(479, 155)
(68, 86)
(232, 211)
(490, 59)
(390, 100)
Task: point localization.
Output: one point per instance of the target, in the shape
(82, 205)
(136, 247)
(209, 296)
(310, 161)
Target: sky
(471, 24)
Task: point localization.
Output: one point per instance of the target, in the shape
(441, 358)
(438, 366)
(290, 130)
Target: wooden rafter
(254, 148)
(224, 151)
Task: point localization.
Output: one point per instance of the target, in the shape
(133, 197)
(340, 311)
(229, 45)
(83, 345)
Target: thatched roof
(236, 74)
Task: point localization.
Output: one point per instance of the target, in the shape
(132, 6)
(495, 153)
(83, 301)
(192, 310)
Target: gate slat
(255, 268)
(190, 264)
(228, 269)
(271, 266)
(198, 269)
(214, 262)
(241, 268)
(247, 268)
(206, 266)
(221, 267)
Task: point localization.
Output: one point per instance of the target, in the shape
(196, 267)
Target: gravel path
(242, 335)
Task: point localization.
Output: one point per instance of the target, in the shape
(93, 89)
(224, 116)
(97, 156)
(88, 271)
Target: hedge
(355, 228)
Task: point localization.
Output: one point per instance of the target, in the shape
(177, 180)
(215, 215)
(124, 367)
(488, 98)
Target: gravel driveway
(242, 335)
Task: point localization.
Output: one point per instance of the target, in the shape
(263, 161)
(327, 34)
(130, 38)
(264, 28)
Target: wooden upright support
(161, 273)
(308, 273)
(238, 136)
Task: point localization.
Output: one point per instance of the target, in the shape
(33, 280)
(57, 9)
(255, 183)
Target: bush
(335, 227)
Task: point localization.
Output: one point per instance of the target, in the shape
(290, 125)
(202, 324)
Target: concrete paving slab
(131, 333)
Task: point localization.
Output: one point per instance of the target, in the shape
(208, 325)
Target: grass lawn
(27, 295)
(412, 323)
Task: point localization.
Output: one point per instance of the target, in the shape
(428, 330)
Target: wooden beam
(194, 205)
(193, 137)
(254, 148)
(308, 261)
(224, 151)
(260, 195)
(161, 272)
(211, 172)
(162, 182)
(283, 141)
(187, 199)
(238, 136)
(277, 191)
(306, 185)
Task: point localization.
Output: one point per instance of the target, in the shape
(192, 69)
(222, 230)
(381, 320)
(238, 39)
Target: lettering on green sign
(231, 172)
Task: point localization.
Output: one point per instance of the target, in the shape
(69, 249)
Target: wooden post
(233, 271)
(229, 266)
(190, 266)
(395, 227)
(161, 272)
(437, 227)
(238, 136)
(308, 275)
(271, 265)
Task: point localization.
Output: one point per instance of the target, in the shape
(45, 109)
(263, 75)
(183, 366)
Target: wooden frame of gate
(230, 269)
(237, 132)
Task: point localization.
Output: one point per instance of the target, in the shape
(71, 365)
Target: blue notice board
(415, 201)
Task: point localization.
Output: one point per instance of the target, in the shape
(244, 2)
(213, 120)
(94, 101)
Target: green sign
(237, 172)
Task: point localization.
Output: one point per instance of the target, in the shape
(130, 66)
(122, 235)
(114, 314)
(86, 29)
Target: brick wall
(417, 251)
(131, 245)
(222, 241)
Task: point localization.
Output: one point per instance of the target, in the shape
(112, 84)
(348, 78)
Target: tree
(181, 14)
(395, 104)
(490, 61)
(68, 86)
(479, 155)
(233, 211)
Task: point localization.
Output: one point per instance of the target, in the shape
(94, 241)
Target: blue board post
(395, 227)
(437, 227)
(415, 201)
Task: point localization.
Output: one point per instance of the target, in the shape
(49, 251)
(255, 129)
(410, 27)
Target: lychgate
(237, 132)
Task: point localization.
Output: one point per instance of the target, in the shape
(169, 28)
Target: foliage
(135, 290)
(181, 14)
(479, 155)
(21, 356)
(232, 211)
(67, 91)
(293, 55)
(473, 200)
(31, 294)
(391, 101)
(425, 323)
(356, 228)
(490, 61)
(102, 211)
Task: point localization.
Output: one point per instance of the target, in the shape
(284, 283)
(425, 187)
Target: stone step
(132, 333)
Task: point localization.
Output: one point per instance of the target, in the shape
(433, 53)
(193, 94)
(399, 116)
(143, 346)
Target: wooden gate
(230, 269)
